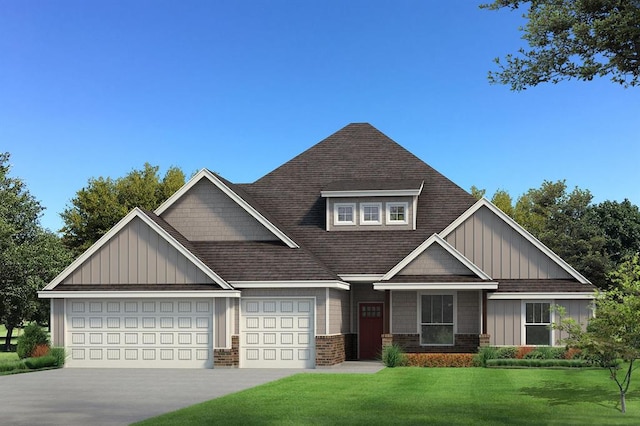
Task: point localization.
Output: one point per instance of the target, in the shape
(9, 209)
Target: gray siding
(404, 312)
(359, 200)
(220, 334)
(318, 293)
(468, 312)
(435, 261)
(205, 213)
(504, 322)
(580, 310)
(501, 252)
(338, 311)
(362, 293)
(137, 255)
(57, 322)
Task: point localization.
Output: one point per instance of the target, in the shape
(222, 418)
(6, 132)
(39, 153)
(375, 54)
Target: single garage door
(154, 333)
(277, 333)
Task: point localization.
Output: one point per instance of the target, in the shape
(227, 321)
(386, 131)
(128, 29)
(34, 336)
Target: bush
(40, 350)
(539, 363)
(573, 353)
(393, 356)
(32, 336)
(41, 362)
(523, 351)
(59, 354)
(12, 366)
(506, 352)
(484, 354)
(440, 360)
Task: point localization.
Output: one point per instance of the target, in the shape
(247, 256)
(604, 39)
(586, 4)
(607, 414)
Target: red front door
(370, 330)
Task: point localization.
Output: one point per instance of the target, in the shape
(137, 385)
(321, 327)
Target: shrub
(32, 336)
(573, 353)
(12, 366)
(539, 363)
(506, 352)
(393, 356)
(41, 362)
(440, 360)
(59, 354)
(40, 350)
(523, 351)
(485, 353)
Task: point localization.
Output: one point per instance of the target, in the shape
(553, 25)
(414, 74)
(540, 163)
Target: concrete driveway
(116, 396)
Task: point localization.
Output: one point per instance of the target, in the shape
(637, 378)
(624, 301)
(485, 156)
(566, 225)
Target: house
(353, 244)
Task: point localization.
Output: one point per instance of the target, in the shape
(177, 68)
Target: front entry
(370, 330)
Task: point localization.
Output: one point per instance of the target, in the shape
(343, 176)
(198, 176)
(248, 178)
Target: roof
(544, 286)
(372, 184)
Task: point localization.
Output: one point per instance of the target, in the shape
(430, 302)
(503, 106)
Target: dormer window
(397, 213)
(344, 213)
(370, 213)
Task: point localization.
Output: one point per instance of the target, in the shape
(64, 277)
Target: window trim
(397, 204)
(370, 222)
(336, 208)
(552, 337)
(455, 314)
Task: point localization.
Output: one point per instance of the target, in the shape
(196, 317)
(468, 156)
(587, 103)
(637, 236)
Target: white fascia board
(436, 286)
(136, 212)
(519, 229)
(123, 294)
(435, 238)
(204, 173)
(291, 284)
(530, 296)
(372, 193)
(357, 278)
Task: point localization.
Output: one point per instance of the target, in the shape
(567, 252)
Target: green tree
(503, 201)
(573, 39)
(477, 192)
(29, 256)
(104, 201)
(614, 333)
(620, 223)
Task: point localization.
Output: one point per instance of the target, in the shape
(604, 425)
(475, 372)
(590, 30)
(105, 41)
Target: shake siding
(318, 293)
(435, 261)
(220, 332)
(363, 293)
(468, 312)
(359, 200)
(338, 311)
(404, 312)
(504, 322)
(205, 213)
(580, 310)
(57, 322)
(137, 255)
(500, 251)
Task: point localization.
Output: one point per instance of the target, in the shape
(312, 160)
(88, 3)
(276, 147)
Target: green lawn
(459, 396)
(8, 356)
(14, 337)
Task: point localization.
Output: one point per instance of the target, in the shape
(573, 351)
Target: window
(344, 214)
(370, 214)
(437, 319)
(397, 213)
(537, 323)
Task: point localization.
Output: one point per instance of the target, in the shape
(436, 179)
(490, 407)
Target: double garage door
(158, 333)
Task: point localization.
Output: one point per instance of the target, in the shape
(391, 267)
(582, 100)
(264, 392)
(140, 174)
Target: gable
(205, 213)
(435, 260)
(496, 246)
(137, 254)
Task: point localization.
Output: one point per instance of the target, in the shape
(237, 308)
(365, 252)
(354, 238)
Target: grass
(14, 337)
(451, 396)
(8, 356)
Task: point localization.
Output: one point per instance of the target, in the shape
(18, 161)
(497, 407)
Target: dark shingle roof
(543, 286)
(371, 184)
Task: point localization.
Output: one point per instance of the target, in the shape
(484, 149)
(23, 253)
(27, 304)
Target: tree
(104, 201)
(29, 256)
(620, 223)
(614, 333)
(477, 192)
(573, 39)
(503, 201)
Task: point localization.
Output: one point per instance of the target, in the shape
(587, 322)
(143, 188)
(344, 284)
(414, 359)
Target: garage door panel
(140, 333)
(277, 333)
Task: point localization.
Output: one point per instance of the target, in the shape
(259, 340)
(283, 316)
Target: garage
(277, 333)
(140, 333)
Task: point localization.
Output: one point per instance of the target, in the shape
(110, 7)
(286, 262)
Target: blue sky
(98, 88)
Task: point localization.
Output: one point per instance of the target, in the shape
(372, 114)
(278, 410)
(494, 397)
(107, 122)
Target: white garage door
(277, 333)
(171, 333)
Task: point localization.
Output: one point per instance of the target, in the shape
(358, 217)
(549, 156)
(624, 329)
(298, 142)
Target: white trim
(387, 214)
(370, 222)
(536, 296)
(523, 321)
(435, 238)
(336, 215)
(455, 315)
(436, 286)
(356, 278)
(483, 202)
(136, 212)
(99, 294)
(373, 193)
(291, 284)
(327, 298)
(204, 173)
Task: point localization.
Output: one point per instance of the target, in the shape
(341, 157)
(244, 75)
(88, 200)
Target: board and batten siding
(338, 311)
(580, 310)
(500, 251)
(504, 322)
(435, 260)
(205, 213)
(57, 322)
(404, 312)
(318, 293)
(468, 312)
(221, 315)
(137, 255)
